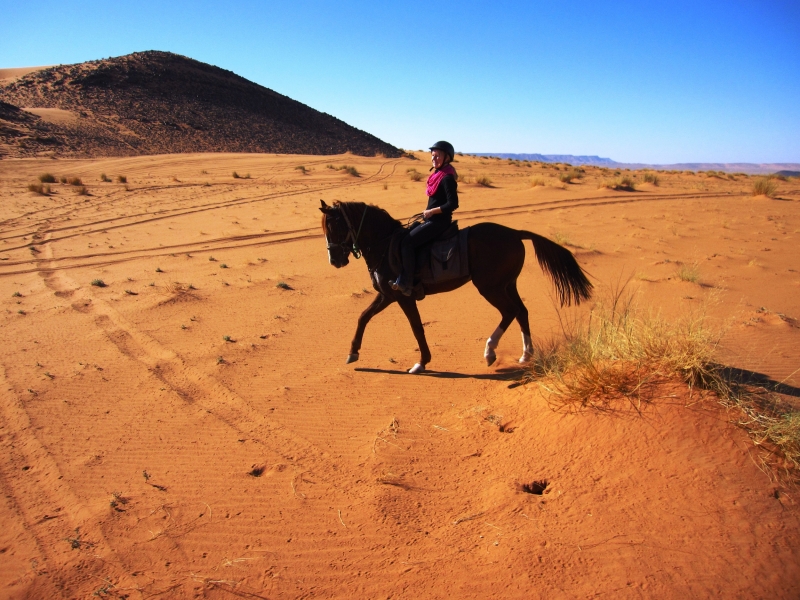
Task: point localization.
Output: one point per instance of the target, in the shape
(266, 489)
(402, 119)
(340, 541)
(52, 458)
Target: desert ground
(177, 419)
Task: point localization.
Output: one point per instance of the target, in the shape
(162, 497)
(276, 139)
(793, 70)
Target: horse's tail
(559, 263)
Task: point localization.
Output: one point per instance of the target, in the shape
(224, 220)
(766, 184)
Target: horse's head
(337, 235)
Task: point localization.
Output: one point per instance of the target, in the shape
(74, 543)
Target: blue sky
(655, 82)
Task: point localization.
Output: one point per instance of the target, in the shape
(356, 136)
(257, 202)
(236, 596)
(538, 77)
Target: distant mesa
(161, 103)
(596, 161)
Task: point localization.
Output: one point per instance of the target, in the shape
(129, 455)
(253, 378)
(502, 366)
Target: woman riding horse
(442, 201)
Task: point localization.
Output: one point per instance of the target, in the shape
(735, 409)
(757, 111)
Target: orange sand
(371, 483)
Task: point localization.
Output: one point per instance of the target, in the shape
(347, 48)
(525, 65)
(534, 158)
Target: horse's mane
(377, 216)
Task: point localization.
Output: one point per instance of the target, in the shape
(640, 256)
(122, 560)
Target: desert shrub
(779, 177)
(765, 186)
(351, 170)
(104, 178)
(537, 181)
(98, 283)
(122, 179)
(82, 191)
(302, 169)
(625, 184)
(74, 181)
(236, 175)
(63, 179)
(571, 175)
(650, 178)
(688, 272)
(47, 178)
(621, 353)
(484, 180)
(39, 188)
(414, 175)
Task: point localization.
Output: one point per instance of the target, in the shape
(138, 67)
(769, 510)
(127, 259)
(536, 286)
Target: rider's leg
(418, 236)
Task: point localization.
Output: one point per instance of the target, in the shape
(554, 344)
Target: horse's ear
(323, 205)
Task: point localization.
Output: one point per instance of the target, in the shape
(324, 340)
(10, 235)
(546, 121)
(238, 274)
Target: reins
(356, 249)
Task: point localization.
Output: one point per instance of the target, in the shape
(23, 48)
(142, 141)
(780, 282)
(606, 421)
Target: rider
(442, 194)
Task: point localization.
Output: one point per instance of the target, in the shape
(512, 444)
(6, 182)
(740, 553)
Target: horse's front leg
(380, 302)
(409, 307)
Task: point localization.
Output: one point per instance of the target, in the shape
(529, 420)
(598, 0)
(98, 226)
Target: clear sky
(656, 82)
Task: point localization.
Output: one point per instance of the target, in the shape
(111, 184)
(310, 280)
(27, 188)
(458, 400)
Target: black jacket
(445, 197)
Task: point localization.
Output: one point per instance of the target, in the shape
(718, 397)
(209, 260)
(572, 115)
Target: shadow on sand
(746, 378)
(512, 374)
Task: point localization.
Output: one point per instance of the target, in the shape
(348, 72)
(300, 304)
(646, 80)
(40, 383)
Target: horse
(496, 255)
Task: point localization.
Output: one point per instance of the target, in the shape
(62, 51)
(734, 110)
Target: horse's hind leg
(524, 325)
(509, 309)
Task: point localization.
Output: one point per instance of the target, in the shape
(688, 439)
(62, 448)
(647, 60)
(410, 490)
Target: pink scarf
(436, 177)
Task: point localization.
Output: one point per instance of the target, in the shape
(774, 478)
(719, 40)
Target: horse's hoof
(490, 359)
(417, 368)
(525, 358)
(351, 358)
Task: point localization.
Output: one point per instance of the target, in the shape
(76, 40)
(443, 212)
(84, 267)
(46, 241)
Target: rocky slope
(158, 103)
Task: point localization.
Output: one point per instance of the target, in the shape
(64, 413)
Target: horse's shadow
(513, 374)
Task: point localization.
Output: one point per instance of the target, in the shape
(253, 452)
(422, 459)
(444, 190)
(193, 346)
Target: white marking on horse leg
(417, 368)
(491, 344)
(351, 358)
(527, 349)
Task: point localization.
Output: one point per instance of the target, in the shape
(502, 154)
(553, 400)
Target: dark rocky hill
(158, 103)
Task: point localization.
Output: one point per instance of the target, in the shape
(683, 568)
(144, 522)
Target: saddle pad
(448, 260)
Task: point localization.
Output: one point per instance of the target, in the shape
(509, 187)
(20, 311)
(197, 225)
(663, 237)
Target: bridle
(352, 236)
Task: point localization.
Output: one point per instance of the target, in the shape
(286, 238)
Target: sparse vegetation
(39, 188)
(104, 178)
(571, 175)
(650, 178)
(76, 181)
(623, 354)
(47, 178)
(414, 175)
(484, 180)
(302, 169)
(350, 171)
(122, 179)
(283, 285)
(82, 191)
(159, 270)
(98, 283)
(765, 186)
(236, 175)
(625, 184)
(537, 181)
(688, 272)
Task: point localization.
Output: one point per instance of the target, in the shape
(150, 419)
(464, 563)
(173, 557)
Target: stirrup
(399, 285)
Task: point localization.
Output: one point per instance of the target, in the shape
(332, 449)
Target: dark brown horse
(496, 256)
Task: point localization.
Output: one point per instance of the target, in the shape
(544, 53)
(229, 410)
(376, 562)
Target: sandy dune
(16, 72)
(274, 470)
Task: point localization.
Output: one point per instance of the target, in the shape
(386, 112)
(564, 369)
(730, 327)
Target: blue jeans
(421, 234)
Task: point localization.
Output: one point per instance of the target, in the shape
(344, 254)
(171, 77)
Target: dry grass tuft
(765, 186)
(39, 188)
(537, 181)
(625, 184)
(621, 353)
(484, 180)
(651, 178)
(689, 273)
(414, 175)
(47, 178)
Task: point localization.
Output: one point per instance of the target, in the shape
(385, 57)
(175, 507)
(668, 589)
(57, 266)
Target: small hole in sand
(536, 487)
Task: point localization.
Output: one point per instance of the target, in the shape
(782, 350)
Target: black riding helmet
(445, 147)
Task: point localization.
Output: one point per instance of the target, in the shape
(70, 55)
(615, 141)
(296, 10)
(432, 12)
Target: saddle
(438, 261)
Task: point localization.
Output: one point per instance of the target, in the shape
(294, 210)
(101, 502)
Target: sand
(190, 429)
